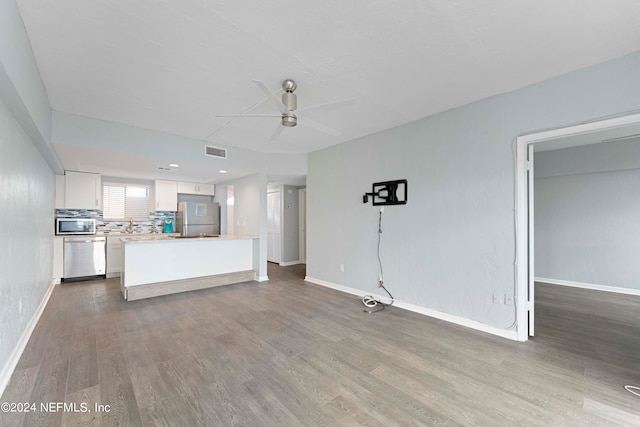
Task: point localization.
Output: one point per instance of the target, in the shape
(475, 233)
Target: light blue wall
(593, 158)
(452, 246)
(19, 66)
(246, 192)
(74, 130)
(27, 187)
(21, 88)
(587, 211)
(249, 214)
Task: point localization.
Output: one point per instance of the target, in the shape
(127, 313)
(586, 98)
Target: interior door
(530, 249)
(273, 227)
(302, 224)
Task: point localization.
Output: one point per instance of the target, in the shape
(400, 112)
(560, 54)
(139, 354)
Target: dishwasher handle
(87, 240)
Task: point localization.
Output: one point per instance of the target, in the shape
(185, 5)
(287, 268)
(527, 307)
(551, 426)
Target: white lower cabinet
(58, 258)
(114, 256)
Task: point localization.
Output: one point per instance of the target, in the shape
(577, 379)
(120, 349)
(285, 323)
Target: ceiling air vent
(211, 151)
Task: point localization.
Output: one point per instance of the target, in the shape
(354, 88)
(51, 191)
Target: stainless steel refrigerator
(195, 219)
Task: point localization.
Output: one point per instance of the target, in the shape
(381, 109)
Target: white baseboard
(508, 334)
(262, 278)
(605, 288)
(288, 263)
(14, 358)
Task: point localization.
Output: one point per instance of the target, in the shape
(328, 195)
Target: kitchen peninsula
(163, 265)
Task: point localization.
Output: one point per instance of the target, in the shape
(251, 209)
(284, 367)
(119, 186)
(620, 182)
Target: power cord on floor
(633, 389)
(370, 301)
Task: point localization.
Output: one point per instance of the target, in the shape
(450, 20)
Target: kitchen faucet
(130, 228)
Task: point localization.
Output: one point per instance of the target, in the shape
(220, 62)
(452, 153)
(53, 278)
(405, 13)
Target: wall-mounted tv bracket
(387, 193)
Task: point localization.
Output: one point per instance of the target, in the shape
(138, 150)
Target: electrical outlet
(342, 268)
(496, 298)
(508, 299)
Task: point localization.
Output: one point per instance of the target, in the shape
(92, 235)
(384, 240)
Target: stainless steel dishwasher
(84, 258)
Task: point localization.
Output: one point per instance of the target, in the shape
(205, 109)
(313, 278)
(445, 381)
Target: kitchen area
(159, 237)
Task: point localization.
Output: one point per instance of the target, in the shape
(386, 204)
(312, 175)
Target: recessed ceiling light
(174, 165)
(222, 171)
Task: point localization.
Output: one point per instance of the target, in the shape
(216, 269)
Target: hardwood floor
(285, 352)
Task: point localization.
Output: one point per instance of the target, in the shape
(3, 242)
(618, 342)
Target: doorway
(588, 133)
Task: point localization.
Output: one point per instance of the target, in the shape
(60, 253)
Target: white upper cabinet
(82, 190)
(192, 188)
(60, 196)
(164, 196)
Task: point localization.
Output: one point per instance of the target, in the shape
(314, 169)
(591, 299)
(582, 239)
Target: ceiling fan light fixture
(289, 121)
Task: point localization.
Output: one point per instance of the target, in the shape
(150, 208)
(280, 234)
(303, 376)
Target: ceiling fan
(288, 105)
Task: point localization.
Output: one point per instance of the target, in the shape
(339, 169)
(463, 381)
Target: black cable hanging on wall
(383, 193)
(370, 301)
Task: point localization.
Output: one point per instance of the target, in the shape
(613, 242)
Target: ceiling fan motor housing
(289, 99)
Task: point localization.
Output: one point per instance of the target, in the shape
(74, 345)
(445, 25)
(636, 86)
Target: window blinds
(124, 201)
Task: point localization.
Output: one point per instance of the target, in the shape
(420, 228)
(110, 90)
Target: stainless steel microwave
(68, 226)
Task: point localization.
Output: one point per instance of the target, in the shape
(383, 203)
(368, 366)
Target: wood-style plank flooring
(285, 352)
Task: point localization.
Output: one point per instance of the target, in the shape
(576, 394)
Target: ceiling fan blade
(249, 115)
(328, 106)
(277, 133)
(307, 122)
(283, 108)
(231, 121)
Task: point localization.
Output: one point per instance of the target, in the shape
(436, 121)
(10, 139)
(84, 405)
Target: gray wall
(587, 210)
(453, 244)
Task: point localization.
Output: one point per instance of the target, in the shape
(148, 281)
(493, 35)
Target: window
(124, 201)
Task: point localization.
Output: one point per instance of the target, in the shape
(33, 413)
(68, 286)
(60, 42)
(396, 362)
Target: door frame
(524, 209)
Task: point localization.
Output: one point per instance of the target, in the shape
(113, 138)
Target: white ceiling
(172, 66)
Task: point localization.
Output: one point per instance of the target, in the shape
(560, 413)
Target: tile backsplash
(78, 213)
(155, 223)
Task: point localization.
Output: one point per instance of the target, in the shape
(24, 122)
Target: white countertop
(137, 234)
(160, 238)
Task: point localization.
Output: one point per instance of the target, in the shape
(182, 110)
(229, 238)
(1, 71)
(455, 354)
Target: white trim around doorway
(522, 205)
